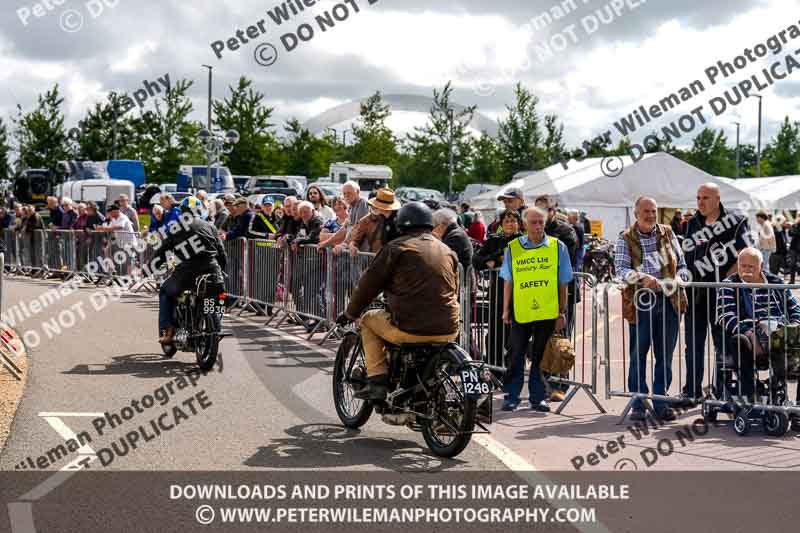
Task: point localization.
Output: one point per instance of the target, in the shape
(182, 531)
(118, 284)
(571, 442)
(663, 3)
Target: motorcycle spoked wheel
(349, 375)
(449, 409)
(207, 341)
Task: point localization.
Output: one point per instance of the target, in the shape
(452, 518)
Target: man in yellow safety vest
(536, 271)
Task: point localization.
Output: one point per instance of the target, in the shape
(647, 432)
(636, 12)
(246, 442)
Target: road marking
(514, 462)
(57, 414)
(530, 475)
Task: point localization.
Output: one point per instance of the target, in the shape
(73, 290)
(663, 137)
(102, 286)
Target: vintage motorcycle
(198, 319)
(433, 388)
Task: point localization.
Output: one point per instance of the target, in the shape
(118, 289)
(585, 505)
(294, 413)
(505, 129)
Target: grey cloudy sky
(411, 47)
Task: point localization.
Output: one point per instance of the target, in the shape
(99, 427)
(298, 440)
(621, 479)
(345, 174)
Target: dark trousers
(700, 316)
(170, 290)
(738, 356)
(520, 339)
(776, 262)
(657, 328)
(794, 258)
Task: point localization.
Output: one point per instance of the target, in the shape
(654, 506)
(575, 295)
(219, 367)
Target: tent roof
(778, 192)
(672, 182)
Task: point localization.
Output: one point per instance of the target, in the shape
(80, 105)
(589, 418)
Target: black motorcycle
(198, 319)
(433, 388)
(599, 259)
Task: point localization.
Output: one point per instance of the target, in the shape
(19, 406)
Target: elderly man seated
(748, 316)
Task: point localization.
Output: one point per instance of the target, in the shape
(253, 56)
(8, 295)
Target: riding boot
(376, 388)
(169, 333)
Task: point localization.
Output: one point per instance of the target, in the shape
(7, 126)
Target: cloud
(408, 47)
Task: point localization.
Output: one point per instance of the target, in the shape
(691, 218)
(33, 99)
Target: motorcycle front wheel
(207, 343)
(350, 374)
(451, 420)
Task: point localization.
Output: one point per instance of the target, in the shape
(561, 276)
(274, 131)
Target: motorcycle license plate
(212, 305)
(473, 386)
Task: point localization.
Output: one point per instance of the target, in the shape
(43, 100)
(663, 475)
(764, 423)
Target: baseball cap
(513, 192)
(113, 207)
(268, 200)
(241, 200)
(228, 199)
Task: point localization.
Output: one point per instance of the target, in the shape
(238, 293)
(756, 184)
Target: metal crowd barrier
(236, 269)
(718, 374)
(487, 335)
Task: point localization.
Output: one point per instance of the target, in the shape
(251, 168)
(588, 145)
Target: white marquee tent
(774, 193)
(672, 182)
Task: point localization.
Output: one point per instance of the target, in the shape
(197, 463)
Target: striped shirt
(651, 259)
(738, 312)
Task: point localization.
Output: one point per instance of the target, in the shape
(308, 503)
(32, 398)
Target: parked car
(417, 194)
(241, 182)
(328, 188)
(256, 199)
(272, 184)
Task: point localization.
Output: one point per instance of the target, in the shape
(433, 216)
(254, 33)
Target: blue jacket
(241, 226)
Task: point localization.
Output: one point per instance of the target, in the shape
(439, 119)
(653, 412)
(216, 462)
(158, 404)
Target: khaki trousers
(377, 327)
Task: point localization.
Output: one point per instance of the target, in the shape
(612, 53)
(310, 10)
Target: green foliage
(167, 138)
(5, 149)
(429, 145)
(487, 166)
(783, 153)
(40, 133)
(245, 112)
(305, 154)
(106, 132)
(375, 144)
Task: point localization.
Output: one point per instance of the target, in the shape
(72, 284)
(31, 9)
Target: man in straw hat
(377, 228)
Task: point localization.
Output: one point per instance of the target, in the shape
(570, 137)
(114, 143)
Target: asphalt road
(270, 399)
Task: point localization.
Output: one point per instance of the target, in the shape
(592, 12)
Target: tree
(306, 155)
(374, 142)
(520, 136)
(429, 145)
(554, 147)
(5, 148)
(166, 138)
(783, 153)
(710, 152)
(40, 133)
(106, 132)
(487, 167)
(245, 112)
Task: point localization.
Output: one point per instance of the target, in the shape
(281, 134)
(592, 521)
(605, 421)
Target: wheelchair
(770, 393)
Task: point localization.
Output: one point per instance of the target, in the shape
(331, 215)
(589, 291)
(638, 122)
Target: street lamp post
(208, 169)
(758, 150)
(450, 150)
(738, 125)
(214, 146)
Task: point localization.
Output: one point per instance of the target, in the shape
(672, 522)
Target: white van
(369, 177)
(104, 192)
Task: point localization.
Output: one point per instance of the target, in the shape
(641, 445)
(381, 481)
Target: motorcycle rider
(418, 274)
(198, 250)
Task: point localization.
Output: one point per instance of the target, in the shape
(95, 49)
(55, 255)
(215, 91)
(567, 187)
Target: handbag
(559, 356)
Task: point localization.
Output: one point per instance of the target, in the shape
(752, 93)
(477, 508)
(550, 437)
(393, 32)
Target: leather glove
(343, 320)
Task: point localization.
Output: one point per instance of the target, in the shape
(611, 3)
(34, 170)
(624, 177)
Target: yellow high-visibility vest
(535, 275)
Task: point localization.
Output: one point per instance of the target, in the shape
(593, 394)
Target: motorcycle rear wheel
(207, 343)
(449, 408)
(350, 363)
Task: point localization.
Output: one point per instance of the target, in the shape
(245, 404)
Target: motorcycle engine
(181, 337)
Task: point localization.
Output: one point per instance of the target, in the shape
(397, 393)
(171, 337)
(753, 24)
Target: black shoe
(666, 414)
(376, 388)
(637, 415)
(542, 407)
(509, 406)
